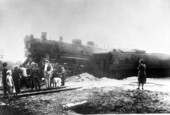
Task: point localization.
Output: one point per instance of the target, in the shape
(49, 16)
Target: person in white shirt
(24, 76)
(24, 71)
(48, 72)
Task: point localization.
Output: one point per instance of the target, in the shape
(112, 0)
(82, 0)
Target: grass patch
(124, 101)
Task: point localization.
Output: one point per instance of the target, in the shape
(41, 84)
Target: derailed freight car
(121, 64)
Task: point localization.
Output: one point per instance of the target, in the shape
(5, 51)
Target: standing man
(63, 73)
(36, 76)
(48, 71)
(31, 75)
(4, 74)
(24, 76)
(16, 78)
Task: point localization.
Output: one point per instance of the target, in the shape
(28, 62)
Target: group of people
(13, 79)
(52, 75)
(29, 76)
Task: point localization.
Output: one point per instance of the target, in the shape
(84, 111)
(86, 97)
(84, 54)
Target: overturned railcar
(119, 64)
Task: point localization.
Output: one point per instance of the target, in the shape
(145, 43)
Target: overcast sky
(141, 24)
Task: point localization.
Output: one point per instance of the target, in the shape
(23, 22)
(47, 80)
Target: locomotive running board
(46, 91)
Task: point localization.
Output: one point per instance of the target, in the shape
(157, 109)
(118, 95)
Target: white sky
(141, 24)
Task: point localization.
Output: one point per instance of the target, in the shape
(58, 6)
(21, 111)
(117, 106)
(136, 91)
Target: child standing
(10, 84)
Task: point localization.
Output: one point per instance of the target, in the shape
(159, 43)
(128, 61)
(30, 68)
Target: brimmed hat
(141, 61)
(15, 66)
(32, 63)
(47, 61)
(9, 72)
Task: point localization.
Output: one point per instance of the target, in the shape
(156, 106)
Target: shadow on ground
(7, 110)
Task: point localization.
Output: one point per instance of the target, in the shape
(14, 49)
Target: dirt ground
(104, 96)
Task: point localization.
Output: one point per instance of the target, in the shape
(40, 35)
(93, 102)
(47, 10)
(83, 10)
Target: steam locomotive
(79, 58)
(74, 56)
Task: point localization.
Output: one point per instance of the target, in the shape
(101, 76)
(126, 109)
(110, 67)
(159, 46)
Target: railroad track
(45, 91)
(42, 89)
(28, 92)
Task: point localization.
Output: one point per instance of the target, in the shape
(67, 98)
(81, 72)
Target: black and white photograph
(76, 57)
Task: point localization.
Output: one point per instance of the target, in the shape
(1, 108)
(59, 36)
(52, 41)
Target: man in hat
(48, 71)
(31, 75)
(24, 76)
(36, 76)
(16, 75)
(63, 74)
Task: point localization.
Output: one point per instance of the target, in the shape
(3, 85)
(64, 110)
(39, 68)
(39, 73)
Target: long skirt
(141, 77)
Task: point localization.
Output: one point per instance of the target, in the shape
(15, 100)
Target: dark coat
(16, 79)
(4, 70)
(142, 73)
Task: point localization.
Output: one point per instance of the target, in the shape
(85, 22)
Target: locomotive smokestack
(31, 36)
(60, 39)
(44, 35)
(90, 43)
